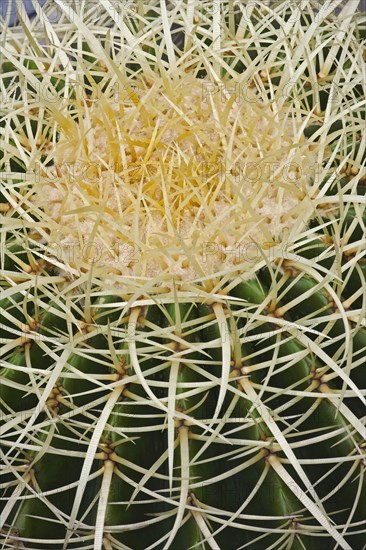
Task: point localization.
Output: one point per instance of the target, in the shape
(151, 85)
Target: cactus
(183, 275)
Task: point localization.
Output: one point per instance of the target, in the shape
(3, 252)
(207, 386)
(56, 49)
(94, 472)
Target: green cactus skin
(224, 414)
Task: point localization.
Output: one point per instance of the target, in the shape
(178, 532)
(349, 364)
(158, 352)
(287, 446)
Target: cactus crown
(154, 148)
(160, 178)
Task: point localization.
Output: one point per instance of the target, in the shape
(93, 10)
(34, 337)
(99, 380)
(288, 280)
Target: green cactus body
(183, 277)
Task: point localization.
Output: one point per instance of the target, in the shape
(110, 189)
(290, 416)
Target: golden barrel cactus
(182, 255)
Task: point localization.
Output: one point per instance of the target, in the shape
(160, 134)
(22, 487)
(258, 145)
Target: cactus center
(181, 177)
